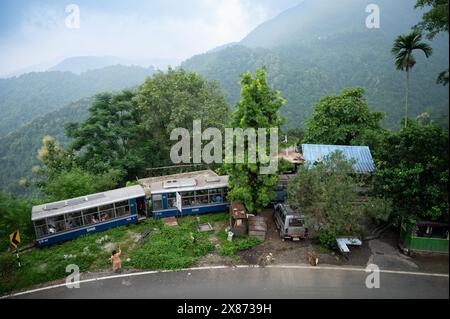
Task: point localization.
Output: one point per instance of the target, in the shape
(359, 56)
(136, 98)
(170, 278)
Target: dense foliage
(258, 108)
(326, 195)
(60, 176)
(130, 131)
(412, 170)
(342, 120)
(434, 22)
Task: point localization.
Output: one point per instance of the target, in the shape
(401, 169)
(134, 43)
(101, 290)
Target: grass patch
(171, 248)
(321, 249)
(230, 248)
(167, 248)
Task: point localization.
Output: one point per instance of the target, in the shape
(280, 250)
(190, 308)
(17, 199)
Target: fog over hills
(321, 47)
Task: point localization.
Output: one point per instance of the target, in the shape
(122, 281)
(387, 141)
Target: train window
(157, 202)
(122, 208)
(91, 216)
(73, 220)
(171, 200)
(201, 197)
(188, 198)
(106, 207)
(56, 224)
(41, 228)
(106, 212)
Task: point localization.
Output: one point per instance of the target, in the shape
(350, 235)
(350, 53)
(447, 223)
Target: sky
(43, 33)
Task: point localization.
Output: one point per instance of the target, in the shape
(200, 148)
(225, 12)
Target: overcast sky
(35, 32)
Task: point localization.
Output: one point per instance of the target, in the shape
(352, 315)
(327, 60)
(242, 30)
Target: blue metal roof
(364, 162)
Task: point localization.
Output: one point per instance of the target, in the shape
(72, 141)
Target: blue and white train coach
(64, 220)
(198, 192)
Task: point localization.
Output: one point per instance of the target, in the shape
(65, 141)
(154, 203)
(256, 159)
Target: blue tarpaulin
(361, 154)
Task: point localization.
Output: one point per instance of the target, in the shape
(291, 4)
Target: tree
(111, 136)
(404, 46)
(258, 108)
(326, 195)
(77, 182)
(413, 171)
(60, 177)
(434, 21)
(130, 131)
(342, 119)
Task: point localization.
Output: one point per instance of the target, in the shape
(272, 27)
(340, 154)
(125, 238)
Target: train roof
(86, 202)
(183, 182)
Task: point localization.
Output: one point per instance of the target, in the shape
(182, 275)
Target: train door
(140, 208)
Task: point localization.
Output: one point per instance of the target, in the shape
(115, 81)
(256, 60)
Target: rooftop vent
(212, 179)
(55, 205)
(175, 183)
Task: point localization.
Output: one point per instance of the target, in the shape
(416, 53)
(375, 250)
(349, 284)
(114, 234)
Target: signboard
(14, 238)
(178, 202)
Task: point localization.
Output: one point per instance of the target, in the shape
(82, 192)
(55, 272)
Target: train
(177, 195)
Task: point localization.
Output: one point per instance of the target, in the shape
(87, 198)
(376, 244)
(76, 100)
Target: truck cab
(290, 224)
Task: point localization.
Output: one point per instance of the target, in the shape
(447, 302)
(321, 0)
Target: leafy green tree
(404, 46)
(77, 182)
(130, 131)
(326, 195)
(342, 120)
(413, 171)
(434, 21)
(112, 136)
(60, 177)
(258, 108)
(175, 99)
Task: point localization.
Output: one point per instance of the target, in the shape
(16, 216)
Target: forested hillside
(18, 150)
(308, 57)
(31, 95)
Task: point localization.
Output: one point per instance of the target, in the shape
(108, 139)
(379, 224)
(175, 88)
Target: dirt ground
(382, 251)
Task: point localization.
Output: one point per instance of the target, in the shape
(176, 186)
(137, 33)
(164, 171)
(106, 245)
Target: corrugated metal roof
(364, 162)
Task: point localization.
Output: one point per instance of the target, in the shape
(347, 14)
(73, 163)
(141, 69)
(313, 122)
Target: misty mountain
(321, 47)
(18, 150)
(34, 94)
(82, 64)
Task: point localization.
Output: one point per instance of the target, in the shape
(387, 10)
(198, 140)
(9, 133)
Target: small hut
(238, 219)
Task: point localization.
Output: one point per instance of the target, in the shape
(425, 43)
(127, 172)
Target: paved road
(266, 282)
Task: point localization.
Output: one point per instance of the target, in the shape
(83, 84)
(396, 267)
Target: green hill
(34, 94)
(321, 47)
(18, 150)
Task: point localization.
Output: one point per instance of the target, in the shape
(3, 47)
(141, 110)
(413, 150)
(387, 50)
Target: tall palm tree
(403, 48)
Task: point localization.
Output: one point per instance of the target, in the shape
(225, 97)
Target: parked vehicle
(289, 223)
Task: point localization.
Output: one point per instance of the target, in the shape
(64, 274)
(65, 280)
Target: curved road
(253, 282)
